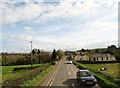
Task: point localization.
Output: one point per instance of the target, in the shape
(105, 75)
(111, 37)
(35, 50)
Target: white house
(103, 57)
(95, 57)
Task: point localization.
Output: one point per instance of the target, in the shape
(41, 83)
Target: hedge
(25, 68)
(97, 62)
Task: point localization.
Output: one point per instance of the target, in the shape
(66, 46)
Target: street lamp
(31, 54)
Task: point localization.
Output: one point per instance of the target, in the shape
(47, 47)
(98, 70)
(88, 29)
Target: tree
(33, 52)
(83, 50)
(117, 56)
(54, 55)
(4, 60)
(38, 52)
(111, 49)
(60, 54)
(97, 51)
(67, 52)
(39, 59)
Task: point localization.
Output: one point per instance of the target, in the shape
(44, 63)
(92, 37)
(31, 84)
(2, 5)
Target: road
(65, 76)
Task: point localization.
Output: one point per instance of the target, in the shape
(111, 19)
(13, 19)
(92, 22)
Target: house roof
(101, 55)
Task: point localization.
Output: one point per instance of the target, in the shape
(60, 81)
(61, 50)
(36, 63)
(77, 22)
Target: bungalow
(81, 57)
(95, 57)
(103, 57)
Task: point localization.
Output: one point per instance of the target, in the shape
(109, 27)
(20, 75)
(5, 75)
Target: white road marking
(52, 80)
(53, 77)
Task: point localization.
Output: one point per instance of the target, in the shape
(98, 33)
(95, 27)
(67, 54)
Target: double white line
(53, 77)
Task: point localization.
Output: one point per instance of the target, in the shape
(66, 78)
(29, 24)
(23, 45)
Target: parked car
(86, 78)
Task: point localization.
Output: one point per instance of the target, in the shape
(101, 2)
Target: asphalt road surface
(65, 76)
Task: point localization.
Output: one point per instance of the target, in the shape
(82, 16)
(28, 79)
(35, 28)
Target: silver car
(69, 62)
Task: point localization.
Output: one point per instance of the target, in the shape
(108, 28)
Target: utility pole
(31, 54)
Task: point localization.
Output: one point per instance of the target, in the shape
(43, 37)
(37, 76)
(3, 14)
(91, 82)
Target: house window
(102, 58)
(94, 58)
(107, 58)
(97, 59)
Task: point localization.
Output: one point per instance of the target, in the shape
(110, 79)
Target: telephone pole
(31, 54)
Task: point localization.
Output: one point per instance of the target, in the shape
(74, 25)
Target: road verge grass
(104, 80)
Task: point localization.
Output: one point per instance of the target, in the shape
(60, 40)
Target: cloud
(21, 37)
(27, 13)
(28, 29)
(68, 25)
(66, 9)
(43, 12)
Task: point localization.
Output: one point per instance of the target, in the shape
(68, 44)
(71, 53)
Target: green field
(10, 76)
(111, 69)
(8, 69)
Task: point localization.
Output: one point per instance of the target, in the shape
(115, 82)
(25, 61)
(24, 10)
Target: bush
(98, 62)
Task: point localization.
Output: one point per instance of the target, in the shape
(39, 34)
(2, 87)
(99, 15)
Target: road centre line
(53, 77)
(52, 80)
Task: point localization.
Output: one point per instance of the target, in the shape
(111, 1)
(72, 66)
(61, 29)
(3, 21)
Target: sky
(58, 24)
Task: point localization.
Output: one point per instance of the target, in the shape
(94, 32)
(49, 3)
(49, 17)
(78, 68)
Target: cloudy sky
(59, 24)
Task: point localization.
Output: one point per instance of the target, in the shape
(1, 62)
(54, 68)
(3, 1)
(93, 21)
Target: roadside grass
(8, 69)
(38, 78)
(105, 80)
